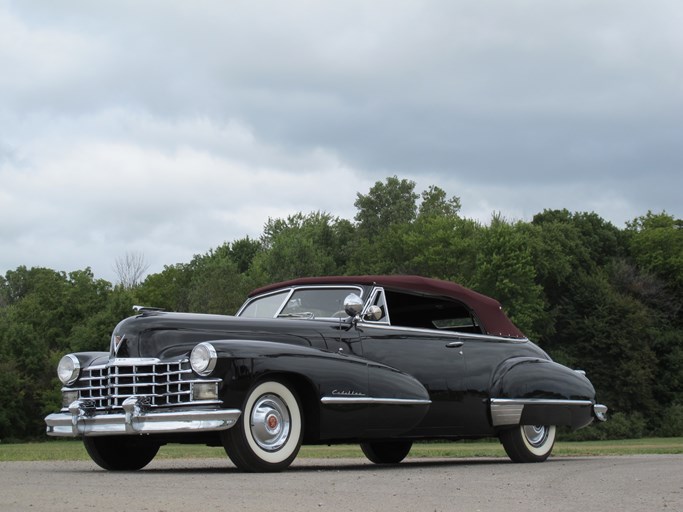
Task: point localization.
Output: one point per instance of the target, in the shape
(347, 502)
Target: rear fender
(534, 391)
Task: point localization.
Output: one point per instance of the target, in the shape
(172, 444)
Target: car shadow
(216, 466)
(342, 465)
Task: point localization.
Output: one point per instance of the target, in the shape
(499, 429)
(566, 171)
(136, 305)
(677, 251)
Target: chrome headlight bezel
(68, 369)
(203, 358)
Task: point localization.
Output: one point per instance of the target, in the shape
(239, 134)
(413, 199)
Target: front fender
(86, 359)
(355, 398)
(243, 362)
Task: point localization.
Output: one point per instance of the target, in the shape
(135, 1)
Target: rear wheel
(386, 452)
(528, 443)
(120, 453)
(268, 435)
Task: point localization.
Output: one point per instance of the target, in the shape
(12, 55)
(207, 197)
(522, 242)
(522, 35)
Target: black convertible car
(378, 360)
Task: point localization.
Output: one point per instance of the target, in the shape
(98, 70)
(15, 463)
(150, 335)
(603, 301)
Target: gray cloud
(171, 127)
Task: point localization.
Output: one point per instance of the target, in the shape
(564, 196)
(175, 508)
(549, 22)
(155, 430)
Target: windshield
(265, 307)
(301, 303)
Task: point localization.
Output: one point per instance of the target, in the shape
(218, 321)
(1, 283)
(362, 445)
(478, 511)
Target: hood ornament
(143, 309)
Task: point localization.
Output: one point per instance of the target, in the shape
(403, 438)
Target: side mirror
(353, 305)
(373, 313)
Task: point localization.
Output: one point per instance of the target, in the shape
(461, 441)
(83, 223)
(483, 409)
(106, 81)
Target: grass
(73, 450)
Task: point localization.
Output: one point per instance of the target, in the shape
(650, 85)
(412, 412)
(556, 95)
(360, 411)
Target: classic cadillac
(382, 361)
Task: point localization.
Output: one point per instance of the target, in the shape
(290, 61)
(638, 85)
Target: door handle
(455, 344)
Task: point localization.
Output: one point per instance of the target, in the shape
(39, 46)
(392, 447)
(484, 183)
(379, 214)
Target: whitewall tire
(528, 443)
(269, 432)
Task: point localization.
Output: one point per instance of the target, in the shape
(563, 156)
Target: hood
(164, 335)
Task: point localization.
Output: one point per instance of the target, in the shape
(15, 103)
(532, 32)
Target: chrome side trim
(539, 401)
(508, 411)
(440, 333)
(82, 420)
(344, 400)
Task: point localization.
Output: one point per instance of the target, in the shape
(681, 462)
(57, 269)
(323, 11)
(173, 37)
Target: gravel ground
(628, 483)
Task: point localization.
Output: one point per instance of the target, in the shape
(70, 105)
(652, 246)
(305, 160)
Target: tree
(395, 236)
(611, 336)
(4, 299)
(36, 329)
(435, 204)
(169, 289)
(505, 270)
(386, 204)
(591, 241)
(302, 245)
(130, 268)
(656, 243)
(243, 251)
(216, 285)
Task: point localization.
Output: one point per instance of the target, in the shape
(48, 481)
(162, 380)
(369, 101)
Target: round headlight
(68, 369)
(203, 358)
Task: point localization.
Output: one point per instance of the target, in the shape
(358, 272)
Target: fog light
(68, 397)
(205, 391)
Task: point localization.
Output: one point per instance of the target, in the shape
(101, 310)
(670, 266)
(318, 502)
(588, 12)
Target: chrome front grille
(163, 384)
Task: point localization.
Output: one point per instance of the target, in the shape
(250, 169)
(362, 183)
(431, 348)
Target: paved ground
(647, 483)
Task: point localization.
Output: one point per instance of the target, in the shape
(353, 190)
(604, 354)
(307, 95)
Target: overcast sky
(170, 127)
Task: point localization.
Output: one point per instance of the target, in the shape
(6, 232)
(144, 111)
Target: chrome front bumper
(137, 418)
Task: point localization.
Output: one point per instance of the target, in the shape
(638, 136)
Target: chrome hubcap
(270, 422)
(535, 434)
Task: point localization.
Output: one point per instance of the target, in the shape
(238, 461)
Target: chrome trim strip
(436, 333)
(508, 411)
(538, 401)
(81, 420)
(344, 400)
(137, 361)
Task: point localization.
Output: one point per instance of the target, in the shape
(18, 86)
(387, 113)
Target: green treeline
(595, 297)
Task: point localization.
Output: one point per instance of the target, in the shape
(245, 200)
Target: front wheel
(120, 453)
(388, 452)
(528, 443)
(268, 435)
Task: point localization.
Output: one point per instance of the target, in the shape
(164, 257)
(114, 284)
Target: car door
(406, 337)
(436, 361)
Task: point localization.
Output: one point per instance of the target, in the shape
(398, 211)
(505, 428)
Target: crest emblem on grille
(116, 343)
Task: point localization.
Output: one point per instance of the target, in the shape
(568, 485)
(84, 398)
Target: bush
(617, 426)
(672, 422)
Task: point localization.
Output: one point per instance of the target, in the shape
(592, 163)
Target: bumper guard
(600, 412)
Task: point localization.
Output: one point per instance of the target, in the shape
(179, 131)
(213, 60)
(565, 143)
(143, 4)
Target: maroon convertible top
(488, 311)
